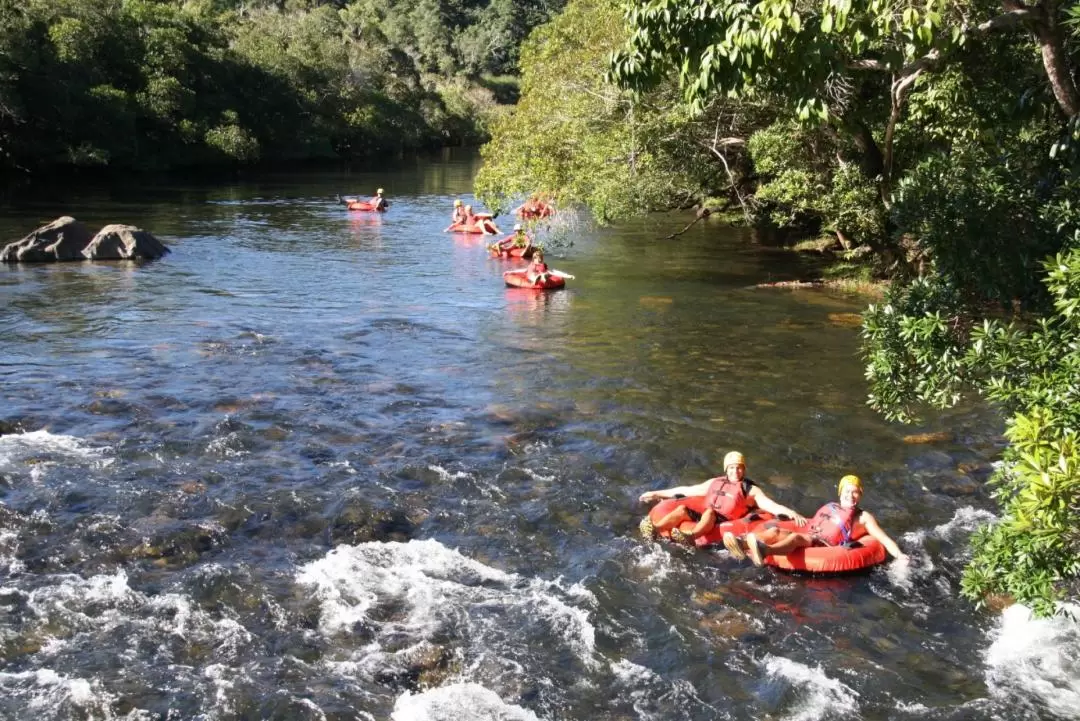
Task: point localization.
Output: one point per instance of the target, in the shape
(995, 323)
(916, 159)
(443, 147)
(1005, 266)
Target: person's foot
(753, 549)
(731, 543)
(647, 529)
(678, 536)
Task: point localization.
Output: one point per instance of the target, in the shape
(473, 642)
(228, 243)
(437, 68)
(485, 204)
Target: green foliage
(922, 347)
(980, 221)
(145, 83)
(738, 48)
(795, 189)
(1035, 549)
(580, 138)
(234, 142)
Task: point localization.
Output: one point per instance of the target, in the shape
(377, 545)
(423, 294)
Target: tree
(576, 135)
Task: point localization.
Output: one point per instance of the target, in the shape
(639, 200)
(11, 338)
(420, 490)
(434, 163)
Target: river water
(323, 465)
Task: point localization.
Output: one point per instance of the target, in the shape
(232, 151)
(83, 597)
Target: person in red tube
(379, 202)
(835, 524)
(459, 215)
(518, 239)
(538, 271)
(726, 498)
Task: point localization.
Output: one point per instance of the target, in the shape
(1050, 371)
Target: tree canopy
(157, 83)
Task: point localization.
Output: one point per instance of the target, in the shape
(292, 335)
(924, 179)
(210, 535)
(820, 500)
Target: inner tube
(364, 205)
(514, 252)
(477, 228)
(542, 211)
(519, 279)
(739, 526)
(858, 555)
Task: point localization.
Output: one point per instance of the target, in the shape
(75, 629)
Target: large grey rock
(124, 242)
(62, 239)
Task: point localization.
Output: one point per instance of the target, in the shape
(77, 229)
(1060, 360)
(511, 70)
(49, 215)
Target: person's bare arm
(696, 490)
(875, 531)
(767, 504)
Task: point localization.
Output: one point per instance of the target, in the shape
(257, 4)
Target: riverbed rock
(61, 240)
(67, 239)
(358, 523)
(124, 242)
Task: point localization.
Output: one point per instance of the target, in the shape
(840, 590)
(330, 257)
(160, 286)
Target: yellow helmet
(734, 458)
(378, 192)
(457, 202)
(848, 480)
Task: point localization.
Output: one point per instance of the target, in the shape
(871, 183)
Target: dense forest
(934, 144)
(156, 84)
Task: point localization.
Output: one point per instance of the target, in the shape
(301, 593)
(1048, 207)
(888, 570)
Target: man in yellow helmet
(724, 498)
(835, 524)
(459, 215)
(379, 202)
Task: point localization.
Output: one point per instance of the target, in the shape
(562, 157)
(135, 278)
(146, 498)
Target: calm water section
(320, 464)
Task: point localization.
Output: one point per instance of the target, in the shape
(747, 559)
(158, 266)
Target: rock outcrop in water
(67, 239)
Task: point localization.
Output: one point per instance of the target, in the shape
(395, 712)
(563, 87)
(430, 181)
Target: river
(323, 465)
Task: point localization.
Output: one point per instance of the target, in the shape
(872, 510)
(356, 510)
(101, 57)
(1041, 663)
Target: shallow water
(320, 464)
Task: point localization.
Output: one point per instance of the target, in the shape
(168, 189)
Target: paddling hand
(799, 520)
(648, 497)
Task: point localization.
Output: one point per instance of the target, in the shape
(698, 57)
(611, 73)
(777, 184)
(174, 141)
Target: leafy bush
(234, 142)
(922, 347)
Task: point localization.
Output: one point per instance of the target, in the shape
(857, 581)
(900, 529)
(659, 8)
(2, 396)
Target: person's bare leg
(673, 519)
(706, 524)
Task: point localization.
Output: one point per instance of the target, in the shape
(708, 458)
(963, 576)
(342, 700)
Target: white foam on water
(538, 477)
(445, 475)
(15, 448)
(964, 522)
(47, 693)
(921, 567)
(227, 446)
(73, 613)
(438, 597)
(1036, 662)
(819, 696)
(652, 696)
(655, 563)
(534, 447)
(458, 702)
(10, 565)
(340, 464)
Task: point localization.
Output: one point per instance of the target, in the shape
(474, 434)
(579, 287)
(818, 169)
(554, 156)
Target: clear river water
(317, 464)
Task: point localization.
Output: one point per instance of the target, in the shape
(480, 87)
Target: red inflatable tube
(481, 226)
(364, 205)
(513, 252)
(863, 553)
(739, 526)
(519, 279)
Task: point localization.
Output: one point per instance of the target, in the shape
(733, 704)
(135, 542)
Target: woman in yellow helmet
(724, 498)
(835, 524)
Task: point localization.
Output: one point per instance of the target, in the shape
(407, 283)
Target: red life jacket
(729, 498)
(833, 524)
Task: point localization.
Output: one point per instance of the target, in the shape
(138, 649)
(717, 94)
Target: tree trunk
(872, 162)
(1056, 62)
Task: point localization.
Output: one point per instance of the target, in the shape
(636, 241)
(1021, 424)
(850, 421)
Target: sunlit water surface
(323, 465)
